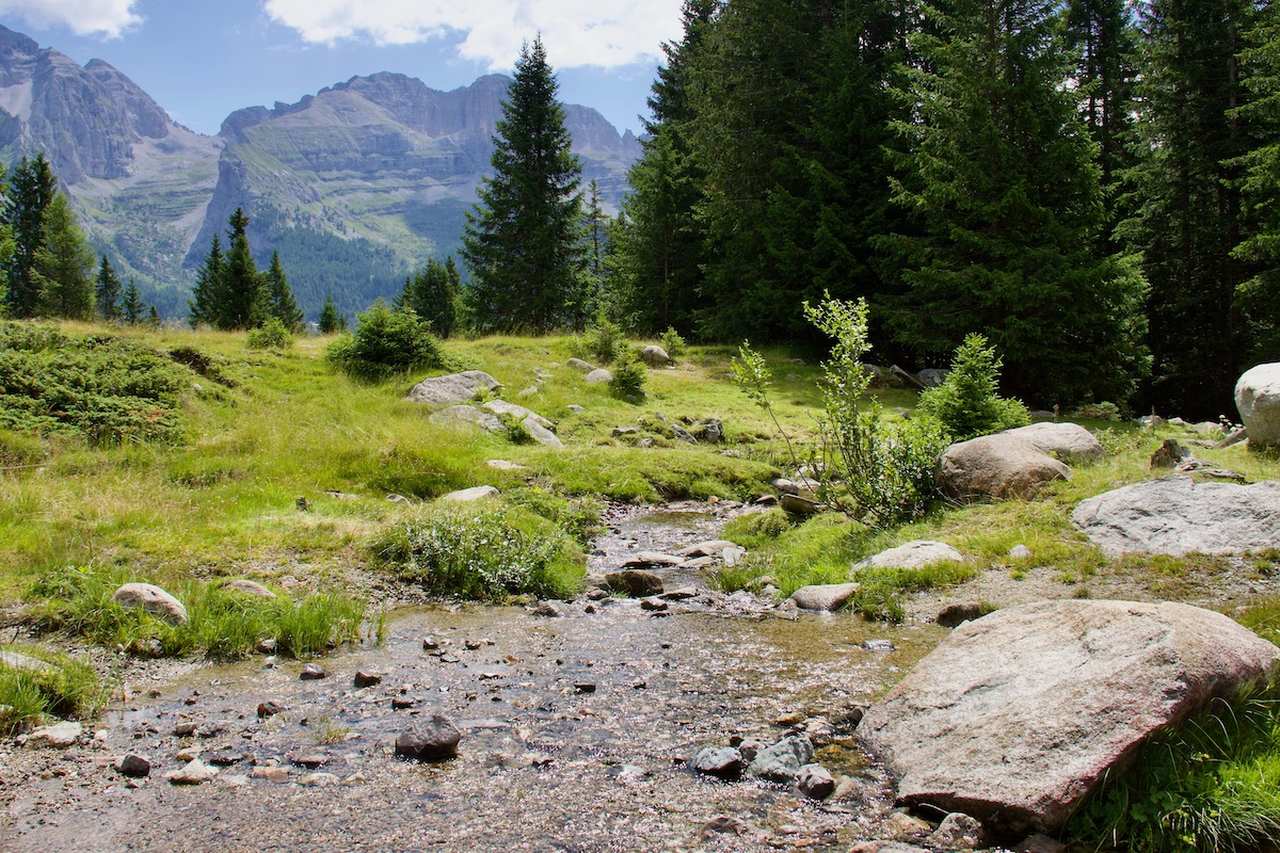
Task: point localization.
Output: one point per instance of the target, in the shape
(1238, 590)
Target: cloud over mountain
(83, 17)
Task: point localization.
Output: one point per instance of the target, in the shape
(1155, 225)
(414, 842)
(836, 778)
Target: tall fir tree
(331, 322)
(283, 306)
(1006, 205)
(242, 305)
(588, 297)
(32, 191)
(63, 269)
(108, 291)
(432, 294)
(131, 308)
(209, 296)
(522, 242)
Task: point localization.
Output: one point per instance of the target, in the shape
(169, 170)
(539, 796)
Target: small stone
(313, 672)
(584, 687)
(194, 773)
(134, 766)
(310, 760)
(878, 645)
(225, 758)
(318, 780)
(547, 609)
(269, 709)
(956, 832)
(271, 774)
(722, 762)
(1019, 552)
(430, 644)
(435, 739)
(402, 703)
(654, 604)
(186, 729)
(364, 678)
(815, 782)
(267, 646)
(59, 736)
(782, 761)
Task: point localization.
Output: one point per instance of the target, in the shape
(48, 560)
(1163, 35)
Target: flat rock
(824, 596)
(194, 772)
(248, 587)
(651, 559)
(152, 599)
(24, 663)
(1177, 515)
(580, 365)
(434, 739)
(1258, 399)
(476, 493)
(1015, 718)
(454, 388)
(599, 376)
(464, 415)
(58, 736)
(913, 555)
(722, 762)
(1071, 443)
(634, 582)
(1000, 466)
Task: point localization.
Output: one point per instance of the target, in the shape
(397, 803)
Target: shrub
(68, 688)
(579, 517)
(629, 377)
(967, 403)
(672, 343)
(272, 334)
(385, 344)
(480, 552)
(1103, 411)
(602, 343)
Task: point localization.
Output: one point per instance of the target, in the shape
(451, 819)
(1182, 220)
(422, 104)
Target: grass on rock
(68, 689)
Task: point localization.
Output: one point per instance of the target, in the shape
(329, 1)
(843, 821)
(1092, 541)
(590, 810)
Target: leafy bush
(108, 389)
(602, 343)
(385, 344)
(629, 377)
(480, 552)
(672, 343)
(272, 334)
(68, 689)
(1103, 411)
(967, 403)
(224, 624)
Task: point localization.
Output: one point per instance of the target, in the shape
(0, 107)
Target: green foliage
(967, 403)
(30, 193)
(433, 294)
(107, 389)
(672, 343)
(1210, 784)
(385, 344)
(481, 552)
(131, 309)
(603, 342)
(331, 322)
(108, 291)
(224, 624)
(273, 334)
(629, 378)
(68, 689)
(578, 516)
(209, 295)
(279, 297)
(64, 264)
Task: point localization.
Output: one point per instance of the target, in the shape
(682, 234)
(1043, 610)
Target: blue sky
(202, 60)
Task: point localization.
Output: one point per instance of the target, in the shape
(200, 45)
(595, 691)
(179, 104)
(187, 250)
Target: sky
(203, 59)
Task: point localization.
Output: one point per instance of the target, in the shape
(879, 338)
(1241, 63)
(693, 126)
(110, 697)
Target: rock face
(998, 466)
(655, 356)
(1071, 443)
(1016, 717)
(152, 599)
(913, 555)
(1258, 399)
(452, 389)
(1177, 515)
(824, 596)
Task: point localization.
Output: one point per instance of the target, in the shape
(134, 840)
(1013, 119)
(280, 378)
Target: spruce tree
(1006, 208)
(430, 294)
(242, 304)
(283, 306)
(31, 193)
(108, 291)
(132, 307)
(63, 269)
(331, 322)
(209, 296)
(522, 242)
(153, 317)
(588, 296)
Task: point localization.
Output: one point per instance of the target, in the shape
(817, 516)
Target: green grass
(70, 689)
(223, 625)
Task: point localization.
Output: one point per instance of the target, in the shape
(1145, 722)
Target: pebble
(134, 766)
(313, 672)
(193, 773)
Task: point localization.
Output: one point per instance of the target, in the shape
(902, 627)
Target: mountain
(353, 185)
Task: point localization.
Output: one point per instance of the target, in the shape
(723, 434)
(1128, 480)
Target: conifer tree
(523, 239)
(153, 317)
(431, 295)
(209, 296)
(108, 291)
(282, 304)
(63, 270)
(331, 322)
(1006, 208)
(242, 305)
(33, 190)
(132, 307)
(588, 295)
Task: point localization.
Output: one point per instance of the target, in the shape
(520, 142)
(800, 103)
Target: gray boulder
(913, 555)
(24, 663)
(599, 376)
(1071, 443)
(782, 761)
(467, 416)
(998, 466)
(152, 599)
(722, 762)
(655, 356)
(466, 496)
(542, 435)
(815, 782)
(519, 413)
(932, 377)
(434, 739)
(1177, 515)
(248, 587)
(454, 388)
(828, 597)
(1258, 399)
(580, 365)
(1017, 717)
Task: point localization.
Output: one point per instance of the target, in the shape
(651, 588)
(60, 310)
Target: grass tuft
(68, 689)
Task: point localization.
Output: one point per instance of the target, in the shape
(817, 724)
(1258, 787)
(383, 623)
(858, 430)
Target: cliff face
(352, 185)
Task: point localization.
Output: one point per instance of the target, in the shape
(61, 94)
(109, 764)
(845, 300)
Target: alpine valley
(353, 185)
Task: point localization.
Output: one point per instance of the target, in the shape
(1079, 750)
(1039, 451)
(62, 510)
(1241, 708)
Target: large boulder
(998, 466)
(1069, 442)
(913, 555)
(829, 597)
(152, 599)
(580, 365)
(1258, 399)
(454, 388)
(599, 376)
(655, 356)
(1015, 718)
(1177, 515)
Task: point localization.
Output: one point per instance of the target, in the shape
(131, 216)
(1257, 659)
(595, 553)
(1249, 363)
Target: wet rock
(998, 466)
(435, 739)
(782, 761)
(455, 388)
(152, 599)
(194, 772)
(710, 548)
(313, 672)
(1071, 443)
(600, 376)
(824, 596)
(684, 593)
(134, 766)
(477, 493)
(634, 582)
(654, 605)
(721, 762)
(269, 709)
(796, 505)
(957, 614)
(650, 560)
(248, 587)
(1178, 516)
(913, 555)
(956, 832)
(580, 365)
(270, 774)
(1082, 683)
(815, 782)
(366, 678)
(547, 609)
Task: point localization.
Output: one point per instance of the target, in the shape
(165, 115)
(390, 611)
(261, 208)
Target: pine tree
(1006, 204)
(431, 295)
(587, 298)
(242, 303)
(331, 322)
(522, 242)
(209, 296)
(31, 193)
(282, 304)
(108, 291)
(63, 269)
(132, 307)
(153, 318)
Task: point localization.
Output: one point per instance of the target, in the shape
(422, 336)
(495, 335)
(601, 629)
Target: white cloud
(83, 17)
(604, 33)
